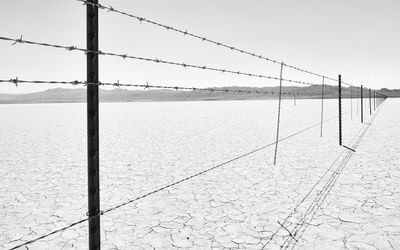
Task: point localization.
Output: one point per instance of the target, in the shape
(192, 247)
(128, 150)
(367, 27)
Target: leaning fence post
(92, 43)
(370, 110)
(362, 105)
(279, 113)
(322, 103)
(340, 110)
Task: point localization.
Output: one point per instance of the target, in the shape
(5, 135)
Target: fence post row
(362, 105)
(322, 103)
(92, 61)
(279, 113)
(340, 110)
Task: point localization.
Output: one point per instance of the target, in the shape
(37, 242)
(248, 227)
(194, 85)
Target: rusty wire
(155, 60)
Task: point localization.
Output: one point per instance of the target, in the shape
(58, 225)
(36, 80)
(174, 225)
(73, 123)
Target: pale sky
(358, 39)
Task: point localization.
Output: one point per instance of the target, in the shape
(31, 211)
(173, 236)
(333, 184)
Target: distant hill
(391, 92)
(125, 95)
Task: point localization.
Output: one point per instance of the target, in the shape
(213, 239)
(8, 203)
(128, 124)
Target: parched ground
(318, 196)
(363, 209)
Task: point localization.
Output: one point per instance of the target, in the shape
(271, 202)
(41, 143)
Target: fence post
(358, 100)
(322, 103)
(370, 109)
(92, 61)
(340, 110)
(362, 105)
(294, 98)
(351, 102)
(279, 113)
(374, 100)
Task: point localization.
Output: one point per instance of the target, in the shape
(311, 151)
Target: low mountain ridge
(59, 95)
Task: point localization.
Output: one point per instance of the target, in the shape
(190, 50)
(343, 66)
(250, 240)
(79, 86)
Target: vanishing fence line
(92, 83)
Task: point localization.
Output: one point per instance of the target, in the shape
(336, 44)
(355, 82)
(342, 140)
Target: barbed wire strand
(17, 81)
(202, 38)
(154, 60)
(168, 186)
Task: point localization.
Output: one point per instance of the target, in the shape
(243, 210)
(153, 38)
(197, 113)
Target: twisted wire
(154, 60)
(168, 186)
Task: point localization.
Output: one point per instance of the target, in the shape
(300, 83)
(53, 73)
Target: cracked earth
(247, 204)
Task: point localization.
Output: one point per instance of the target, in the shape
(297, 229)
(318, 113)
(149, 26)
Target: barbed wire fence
(92, 84)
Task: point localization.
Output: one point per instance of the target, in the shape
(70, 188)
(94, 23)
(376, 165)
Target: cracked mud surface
(239, 206)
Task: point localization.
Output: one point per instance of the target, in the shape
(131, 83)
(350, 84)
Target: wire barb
(18, 41)
(15, 81)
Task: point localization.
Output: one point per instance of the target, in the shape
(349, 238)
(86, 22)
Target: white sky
(356, 38)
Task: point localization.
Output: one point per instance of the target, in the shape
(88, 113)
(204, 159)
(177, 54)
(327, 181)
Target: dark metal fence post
(362, 105)
(370, 109)
(279, 114)
(92, 43)
(340, 110)
(374, 100)
(322, 104)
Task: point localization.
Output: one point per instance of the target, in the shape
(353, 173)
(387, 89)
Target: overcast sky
(359, 39)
